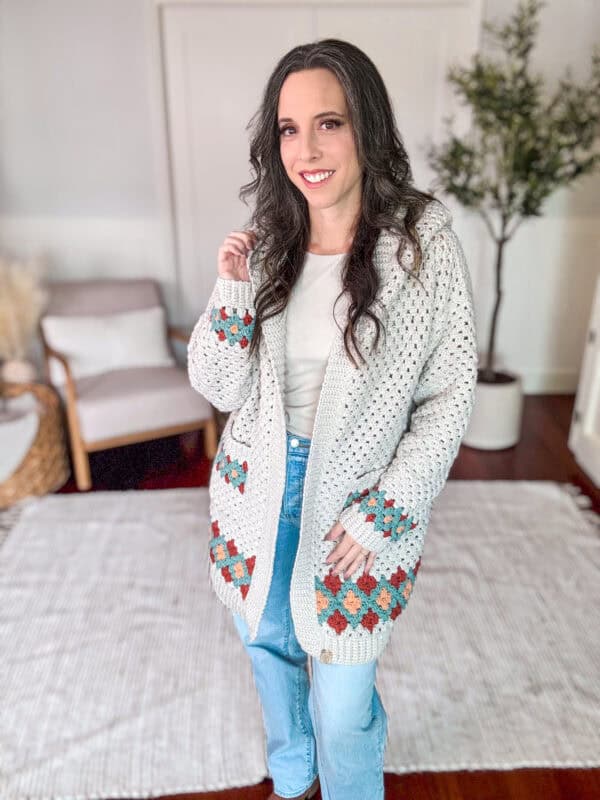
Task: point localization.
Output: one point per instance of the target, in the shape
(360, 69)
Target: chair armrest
(71, 392)
(70, 383)
(50, 351)
(178, 333)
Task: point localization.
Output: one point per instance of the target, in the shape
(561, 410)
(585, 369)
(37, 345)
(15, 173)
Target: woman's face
(315, 136)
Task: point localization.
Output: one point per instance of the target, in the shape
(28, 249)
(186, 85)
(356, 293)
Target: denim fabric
(332, 723)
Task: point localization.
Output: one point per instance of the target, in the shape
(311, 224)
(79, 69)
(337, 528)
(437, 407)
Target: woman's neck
(331, 232)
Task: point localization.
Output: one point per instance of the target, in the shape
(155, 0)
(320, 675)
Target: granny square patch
(232, 328)
(234, 566)
(390, 519)
(231, 470)
(365, 601)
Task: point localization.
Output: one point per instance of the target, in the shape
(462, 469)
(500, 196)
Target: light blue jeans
(332, 723)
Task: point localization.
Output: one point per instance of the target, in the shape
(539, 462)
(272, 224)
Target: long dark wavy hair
(281, 218)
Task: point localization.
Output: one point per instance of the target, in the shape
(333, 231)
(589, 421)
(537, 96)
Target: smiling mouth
(317, 178)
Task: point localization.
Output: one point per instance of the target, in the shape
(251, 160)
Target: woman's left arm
(400, 503)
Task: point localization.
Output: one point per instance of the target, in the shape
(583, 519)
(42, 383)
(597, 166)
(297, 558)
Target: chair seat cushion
(127, 401)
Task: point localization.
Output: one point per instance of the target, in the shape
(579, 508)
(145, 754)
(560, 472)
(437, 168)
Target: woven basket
(45, 467)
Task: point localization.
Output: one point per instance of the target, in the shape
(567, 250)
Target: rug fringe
(593, 518)
(570, 488)
(583, 502)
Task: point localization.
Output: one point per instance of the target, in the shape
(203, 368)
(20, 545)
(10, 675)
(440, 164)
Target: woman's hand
(232, 259)
(348, 553)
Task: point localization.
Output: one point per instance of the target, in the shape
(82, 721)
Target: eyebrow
(317, 116)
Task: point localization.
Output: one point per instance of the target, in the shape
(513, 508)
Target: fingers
(343, 545)
(354, 565)
(241, 241)
(335, 532)
(370, 560)
(350, 561)
(236, 245)
(233, 254)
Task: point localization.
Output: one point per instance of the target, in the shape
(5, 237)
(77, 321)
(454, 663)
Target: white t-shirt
(309, 334)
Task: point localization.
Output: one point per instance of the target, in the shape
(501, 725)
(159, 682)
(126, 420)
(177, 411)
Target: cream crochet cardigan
(384, 438)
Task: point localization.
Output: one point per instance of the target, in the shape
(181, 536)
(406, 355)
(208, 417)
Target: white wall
(83, 165)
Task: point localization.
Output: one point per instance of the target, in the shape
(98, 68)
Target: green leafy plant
(520, 147)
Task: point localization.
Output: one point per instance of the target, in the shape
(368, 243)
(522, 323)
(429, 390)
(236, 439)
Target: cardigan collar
(392, 279)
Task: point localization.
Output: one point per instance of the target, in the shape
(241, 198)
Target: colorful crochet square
(234, 567)
(232, 471)
(382, 512)
(231, 327)
(365, 601)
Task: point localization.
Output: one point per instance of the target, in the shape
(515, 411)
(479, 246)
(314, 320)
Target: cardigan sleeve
(219, 365)
(399, 504)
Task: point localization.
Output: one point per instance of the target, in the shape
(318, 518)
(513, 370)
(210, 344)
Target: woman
(337, 443)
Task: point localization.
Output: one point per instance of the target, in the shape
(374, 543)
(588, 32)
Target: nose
(308, 146)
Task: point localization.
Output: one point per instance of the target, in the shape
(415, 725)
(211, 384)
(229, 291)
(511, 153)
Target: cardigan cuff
(237, 294)
(364, 533)
(374, 517)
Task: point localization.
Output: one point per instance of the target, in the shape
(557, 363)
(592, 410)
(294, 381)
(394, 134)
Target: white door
(584, 436)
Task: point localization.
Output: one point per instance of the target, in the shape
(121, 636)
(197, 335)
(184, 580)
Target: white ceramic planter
(497, 414)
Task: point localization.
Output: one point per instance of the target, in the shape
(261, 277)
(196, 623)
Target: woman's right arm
(219, 364)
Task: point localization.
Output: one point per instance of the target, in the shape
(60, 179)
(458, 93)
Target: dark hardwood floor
(542, 454)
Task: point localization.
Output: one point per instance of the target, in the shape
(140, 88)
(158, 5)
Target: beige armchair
(130, 404)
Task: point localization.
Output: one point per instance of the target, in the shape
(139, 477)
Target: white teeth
(319, 176)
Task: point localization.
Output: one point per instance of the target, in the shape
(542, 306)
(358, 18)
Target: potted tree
(519, 149)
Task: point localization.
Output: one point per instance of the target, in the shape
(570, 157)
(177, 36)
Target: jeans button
(326, 656)
(294, 442)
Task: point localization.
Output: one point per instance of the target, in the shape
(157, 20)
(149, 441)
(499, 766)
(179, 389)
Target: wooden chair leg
(210, 438)
(81, 465)
(79, 455)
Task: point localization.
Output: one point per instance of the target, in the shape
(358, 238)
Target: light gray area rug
(122, 675)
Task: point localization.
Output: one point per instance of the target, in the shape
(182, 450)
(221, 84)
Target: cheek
(286, 159)
(349, 148)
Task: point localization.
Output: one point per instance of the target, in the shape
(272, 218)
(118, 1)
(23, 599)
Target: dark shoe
(311, 792)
